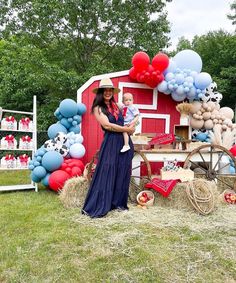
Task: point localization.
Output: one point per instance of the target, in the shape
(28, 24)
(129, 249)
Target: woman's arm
(103, 120)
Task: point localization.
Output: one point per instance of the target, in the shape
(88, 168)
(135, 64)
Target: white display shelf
(31, 185)
(17, 149)
(7, 130)
(12, 169)
(18, 187)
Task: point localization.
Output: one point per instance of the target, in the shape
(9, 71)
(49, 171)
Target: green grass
(43, 242)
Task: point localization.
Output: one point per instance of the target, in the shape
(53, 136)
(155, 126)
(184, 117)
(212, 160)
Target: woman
(110, 183)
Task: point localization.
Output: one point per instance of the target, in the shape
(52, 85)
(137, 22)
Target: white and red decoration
(8, 142)
(9, 123)
(8, 161)
(25, 142)
(25, 124)
(22, 161)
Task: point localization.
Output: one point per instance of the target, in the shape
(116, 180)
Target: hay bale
(178, 198)
(74, 192)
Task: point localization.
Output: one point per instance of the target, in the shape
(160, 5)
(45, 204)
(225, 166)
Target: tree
(24, 72)
(218, 53)
(88, 31)
(233, 15)
(183, 44)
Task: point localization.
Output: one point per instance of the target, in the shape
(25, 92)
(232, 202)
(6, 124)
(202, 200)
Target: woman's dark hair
(99, 101)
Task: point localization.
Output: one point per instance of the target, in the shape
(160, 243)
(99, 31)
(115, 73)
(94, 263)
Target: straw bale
(178, 198)
(74, 192)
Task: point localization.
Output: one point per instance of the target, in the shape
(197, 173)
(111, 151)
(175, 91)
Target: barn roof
(96, 78)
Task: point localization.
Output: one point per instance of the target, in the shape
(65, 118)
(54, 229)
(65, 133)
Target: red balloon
(76, 171)
(146, 76)
(140, 77)
(78, 163)
(150, 82)
(57, 180)
(150, 68)
(133, 73)
(140, 61)
(63, 166)
(68, 170)
(233, 150)
(160, 62)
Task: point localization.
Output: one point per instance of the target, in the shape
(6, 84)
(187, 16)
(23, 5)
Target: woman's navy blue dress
(110, 183)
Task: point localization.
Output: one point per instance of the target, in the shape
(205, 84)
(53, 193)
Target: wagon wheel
(136, 178)
(212, 167)
(144, 163)
(90, 167)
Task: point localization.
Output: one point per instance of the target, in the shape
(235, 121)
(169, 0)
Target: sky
(197, 17)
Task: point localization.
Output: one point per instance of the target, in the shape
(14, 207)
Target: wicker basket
(150, 198)
(223, 196)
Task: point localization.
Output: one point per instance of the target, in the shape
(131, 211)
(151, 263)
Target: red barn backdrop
(157, 110)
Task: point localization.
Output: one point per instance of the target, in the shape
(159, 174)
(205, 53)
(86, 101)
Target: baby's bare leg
(126, 139)
(126, 146)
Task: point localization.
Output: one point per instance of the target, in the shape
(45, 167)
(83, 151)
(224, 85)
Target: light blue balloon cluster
(69, 115)
(183, 77)
(74, 143)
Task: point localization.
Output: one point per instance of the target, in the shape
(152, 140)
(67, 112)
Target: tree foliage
(88, 30)
(232, 16)
(50, 48)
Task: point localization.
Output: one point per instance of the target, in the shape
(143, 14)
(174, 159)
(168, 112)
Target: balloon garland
(57, 160)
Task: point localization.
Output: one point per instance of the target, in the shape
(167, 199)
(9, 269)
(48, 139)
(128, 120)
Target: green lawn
(43, 242)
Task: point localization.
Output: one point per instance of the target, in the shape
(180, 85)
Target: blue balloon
(75, 129)
(201, 136)
(31, 166)
(192, 92)
(34, 178)
(202, 80)
(162, 87)
(186, 89)
(65, 123)
(179, 78)
(77, 118)
(188, 59)
(169, 77)
(36, 163)
(77, 150)
(180, 90)
(52, 160)
(170, 86)
(54, 129)
(39, 158)
(40, 152)
(68, 107)
(171, 67)
(178, 97)
(189, 79)
(39, 172)
(81, 108)
(45, 180)
(57, 113)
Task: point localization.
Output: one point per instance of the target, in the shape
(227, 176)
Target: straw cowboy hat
(106, 83)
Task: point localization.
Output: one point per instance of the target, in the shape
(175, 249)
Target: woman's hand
(130, 129)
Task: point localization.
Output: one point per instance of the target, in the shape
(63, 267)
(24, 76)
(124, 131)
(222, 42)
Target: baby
(131, 116)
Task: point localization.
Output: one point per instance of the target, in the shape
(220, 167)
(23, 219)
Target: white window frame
(123, 85)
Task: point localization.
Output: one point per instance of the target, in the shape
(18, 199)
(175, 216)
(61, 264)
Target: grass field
(41, 241)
